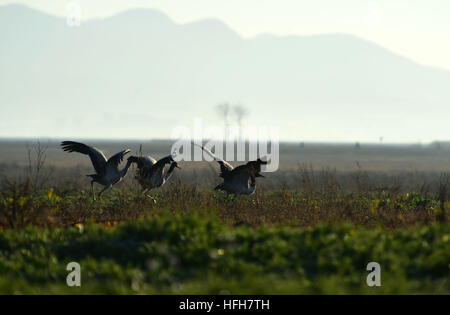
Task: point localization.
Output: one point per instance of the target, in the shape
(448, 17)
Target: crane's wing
(156, 169)
(117, 158)
(148, 160)
(97, 157)
(142, 161)
(225, 167)
(165, 160)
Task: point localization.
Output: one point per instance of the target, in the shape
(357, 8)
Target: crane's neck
(124, 171)
(170, 171)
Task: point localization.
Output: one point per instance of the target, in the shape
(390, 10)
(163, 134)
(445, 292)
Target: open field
(197, 254)
(403, 167)
(342, 157)
(307, 229)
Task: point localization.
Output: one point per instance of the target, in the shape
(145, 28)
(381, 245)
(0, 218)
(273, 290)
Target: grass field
(315, 233)
(199, 242)
(198, 254)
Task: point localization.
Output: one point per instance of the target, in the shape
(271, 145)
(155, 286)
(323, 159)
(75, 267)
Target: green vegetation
(317, 237)
(197, 253)
(20, 207)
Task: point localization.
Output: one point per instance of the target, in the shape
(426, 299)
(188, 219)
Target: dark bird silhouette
(107, 171)
(150, 173)
(239, 180)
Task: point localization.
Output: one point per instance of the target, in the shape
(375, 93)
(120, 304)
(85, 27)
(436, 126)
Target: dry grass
(50, 196)
(19, 207)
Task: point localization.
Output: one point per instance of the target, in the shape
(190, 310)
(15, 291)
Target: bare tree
(223, 110)
(239, 112)
(36, 176)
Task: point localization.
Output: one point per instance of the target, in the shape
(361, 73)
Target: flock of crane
(150, 172)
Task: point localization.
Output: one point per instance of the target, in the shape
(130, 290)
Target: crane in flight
(107, 170)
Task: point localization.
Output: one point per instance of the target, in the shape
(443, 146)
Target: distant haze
(413, 28)
(138, 74)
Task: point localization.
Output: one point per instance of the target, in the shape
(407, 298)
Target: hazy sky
(414, 28)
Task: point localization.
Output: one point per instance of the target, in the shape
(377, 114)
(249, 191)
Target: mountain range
(138, 74)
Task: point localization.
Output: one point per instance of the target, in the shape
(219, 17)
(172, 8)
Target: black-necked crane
(240, 180)
(107, 171)
(150, 173)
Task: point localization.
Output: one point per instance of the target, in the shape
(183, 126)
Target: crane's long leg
(92, 190)
(145, 192)
(106, 187)
(154, 200)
